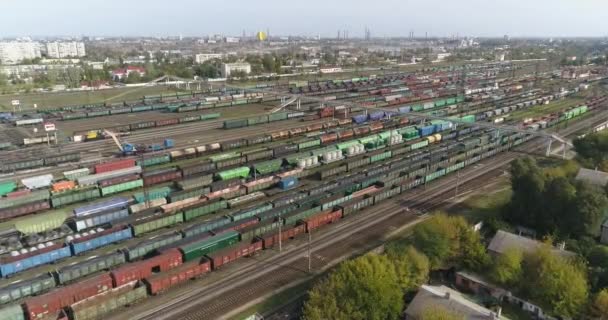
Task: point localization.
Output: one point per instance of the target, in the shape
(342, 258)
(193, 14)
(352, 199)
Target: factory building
(228, 68)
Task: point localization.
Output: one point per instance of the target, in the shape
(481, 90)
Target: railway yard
(194, 204)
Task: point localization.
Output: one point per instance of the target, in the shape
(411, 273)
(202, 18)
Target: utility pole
(457, 182)
(280, 234)
(309, 251)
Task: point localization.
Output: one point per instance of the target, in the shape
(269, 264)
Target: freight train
(173, 258)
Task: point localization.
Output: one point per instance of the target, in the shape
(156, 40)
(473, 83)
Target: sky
(484, 18)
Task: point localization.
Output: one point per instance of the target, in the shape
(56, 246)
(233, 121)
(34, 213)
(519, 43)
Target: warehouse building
(229, 68)
(503, 241)
(434, 297)
(202, 57)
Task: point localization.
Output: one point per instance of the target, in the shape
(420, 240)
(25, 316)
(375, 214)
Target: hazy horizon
(391, 18)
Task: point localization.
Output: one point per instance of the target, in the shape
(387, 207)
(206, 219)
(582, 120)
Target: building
(229, 68)
(232, 40)
(503, 241)
(65, 49)
(13, 52)
(469, 282)
(202, 57)
(122, 73)
(593, 177)
(434, 297)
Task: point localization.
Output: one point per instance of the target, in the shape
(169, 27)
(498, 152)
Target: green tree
(590, 205)
(555, 282)
(598, 256)
(365, 288)
(411, 266)
(133, 77)
(439, 313)
(599, 306)
(507, 268)
(528, 184)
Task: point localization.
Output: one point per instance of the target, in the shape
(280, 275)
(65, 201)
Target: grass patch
(278, 300)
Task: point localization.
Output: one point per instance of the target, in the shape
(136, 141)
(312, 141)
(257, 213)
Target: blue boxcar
(78, 246)
(426, 130)
(114, 203)
(18, 265)
(99, 219)
(405, 109)
(376, 115)
(360, 118)
(288, 183)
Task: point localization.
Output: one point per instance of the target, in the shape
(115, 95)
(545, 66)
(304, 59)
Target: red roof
(129, 68)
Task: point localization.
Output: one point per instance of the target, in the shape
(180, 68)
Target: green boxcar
(225, 156)
(140, 250)
(249, 212)
(381, 156)
(41, 222)
(259, 229)
(155, 193)
(440, 103)
(420, 144)
(12, 312)
(204, 209)
(454, 167)
(74, 196)
(369, 139)
(469, 119)
(190, 193)
(194, 183)
(26, 288)
(141, 108)
(241, 172)
(152, 161)
(460, 99)
(122, 187)
(277, 116)
(257, 120)
(210, 116)
(200, 248)
(236, 123)
(309, 144)
(346, 144)
(269, 166)
(417, 107)
(435, 175)
(409, 133)
(6, 187)
(292, 218)
(75, 174)
(450, 101)
(100, 307)
(336, 202)
(156, 222)
(38, 195)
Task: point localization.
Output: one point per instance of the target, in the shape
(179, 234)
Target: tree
(556, 283)
(590, 205)
(598, 256)
(528, 184)
(364, 288)
(133, 77)
(439, 313)
(411, 266)
(507, 268)
(444, 239)
(599, 306)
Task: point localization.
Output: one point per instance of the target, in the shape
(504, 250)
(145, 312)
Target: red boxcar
(165, 280)
(114, 165)
(228, 255)
(142, 269)
(272, 238)
(368, 190)
(166, 122)
(162, 177)
(17, 194)
(361, 131)
(322, 219)
(50, 303)
(118, 180)
(12, 212)
(329, 138)
(376, 126)
(345, 121)
(296, 131)
(345, 134)
(314, 127)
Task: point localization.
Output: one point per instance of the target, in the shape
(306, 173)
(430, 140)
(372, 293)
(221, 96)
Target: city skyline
(390, 18)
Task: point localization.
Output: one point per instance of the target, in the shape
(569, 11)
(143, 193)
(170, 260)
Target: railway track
(236, 289)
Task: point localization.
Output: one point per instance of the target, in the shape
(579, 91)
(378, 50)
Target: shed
(594, 177)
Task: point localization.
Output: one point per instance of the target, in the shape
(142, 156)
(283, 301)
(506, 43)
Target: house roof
(431, 297)
(594, 177)
(503, 241)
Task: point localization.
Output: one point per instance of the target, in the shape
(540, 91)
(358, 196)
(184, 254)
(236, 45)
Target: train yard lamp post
(280, 234)
(309, 251)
